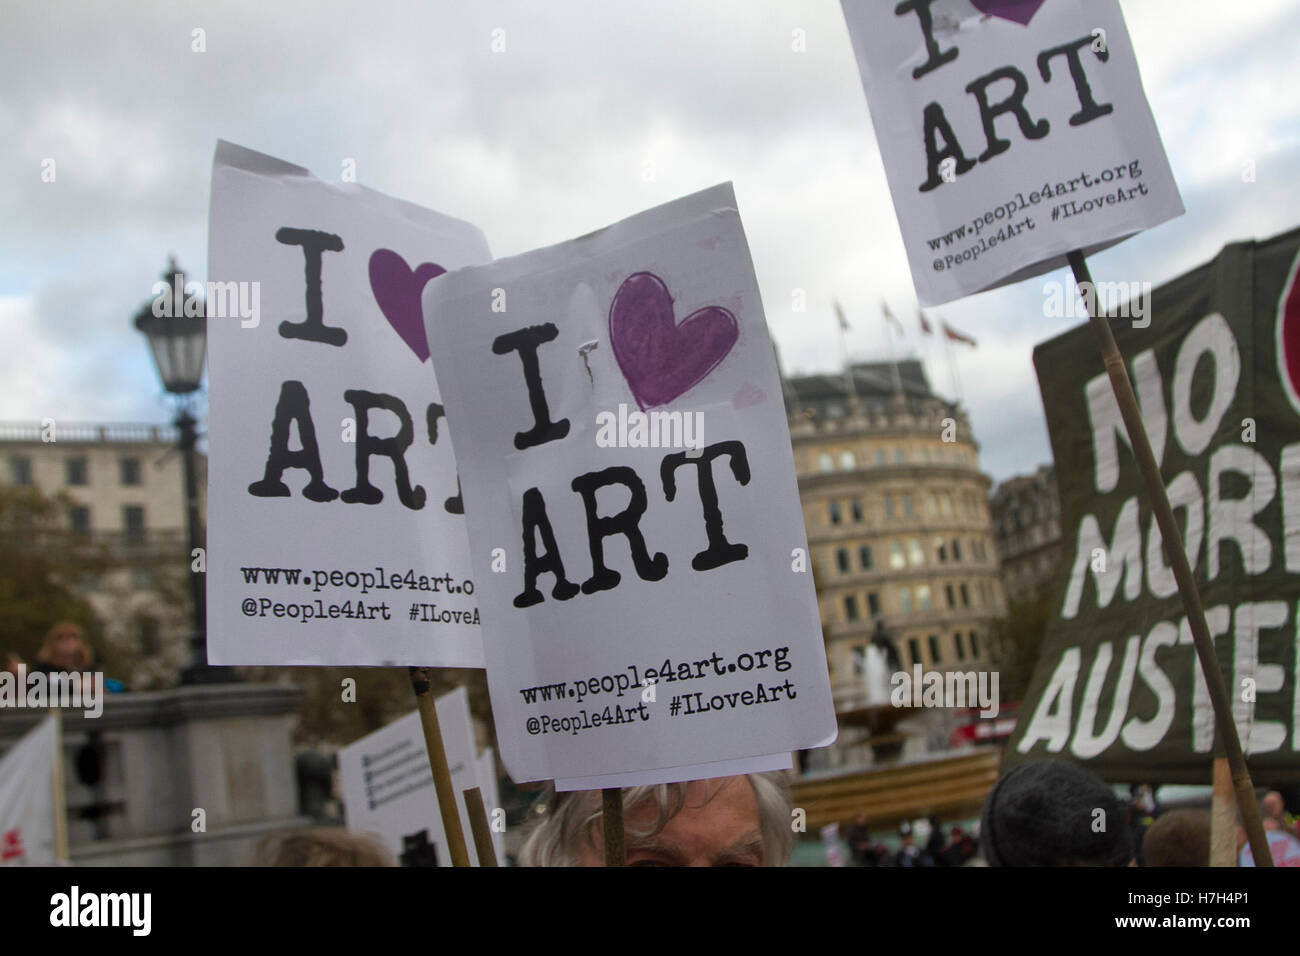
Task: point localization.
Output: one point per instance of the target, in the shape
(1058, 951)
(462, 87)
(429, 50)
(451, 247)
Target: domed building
(898, 523)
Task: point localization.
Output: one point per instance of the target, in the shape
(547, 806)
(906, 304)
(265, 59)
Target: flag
(26, 799)
(890, 317)
(926, 327)
(956, 336)
(839, 314)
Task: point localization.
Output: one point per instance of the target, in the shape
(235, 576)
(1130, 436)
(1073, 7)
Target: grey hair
(567, 818)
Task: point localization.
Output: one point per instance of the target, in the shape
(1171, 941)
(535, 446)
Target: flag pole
(422, 685)
(1164, 515)
(60, 796)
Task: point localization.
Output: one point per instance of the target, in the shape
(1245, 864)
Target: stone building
(1027, 527)
(125, 492)
(896, 511)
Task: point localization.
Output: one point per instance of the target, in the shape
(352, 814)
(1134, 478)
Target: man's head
(1272, 807)
(1054, 813)
(726, 821)
(1178, 838)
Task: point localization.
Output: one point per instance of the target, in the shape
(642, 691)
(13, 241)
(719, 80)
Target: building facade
(125, 491)
(1027, 527)
(896, 511)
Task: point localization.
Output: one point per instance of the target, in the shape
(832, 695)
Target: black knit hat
(1044, 813)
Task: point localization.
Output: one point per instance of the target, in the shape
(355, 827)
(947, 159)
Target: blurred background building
(1027, 528)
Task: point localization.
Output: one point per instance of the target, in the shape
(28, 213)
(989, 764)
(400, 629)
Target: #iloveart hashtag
(674, 707)
(1056, 213)
(415, 611)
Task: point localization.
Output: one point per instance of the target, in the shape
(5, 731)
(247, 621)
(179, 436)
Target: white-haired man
(725, 821)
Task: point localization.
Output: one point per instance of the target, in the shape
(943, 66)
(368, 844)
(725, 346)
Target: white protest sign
(1012, 131)
(26, 798)
(631, 499)
(388, 787)
(335, 525)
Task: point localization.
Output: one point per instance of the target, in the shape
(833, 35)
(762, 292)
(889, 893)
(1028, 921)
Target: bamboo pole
(478, 826)
(1173, 539)
(612, 817)
(422, 685)
(1223, 817)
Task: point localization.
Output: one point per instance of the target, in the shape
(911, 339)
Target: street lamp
(177, 337)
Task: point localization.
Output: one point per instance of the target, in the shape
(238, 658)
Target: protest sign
(335, 524)
(1217, 372)
(388, 786)
(1012, 132)
(27, 806)
(631, 499)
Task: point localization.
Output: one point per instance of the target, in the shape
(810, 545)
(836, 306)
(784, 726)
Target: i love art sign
(336, 532)
(631, 498)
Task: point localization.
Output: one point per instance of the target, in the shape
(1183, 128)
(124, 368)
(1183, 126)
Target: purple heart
(1020, 11)
(660, 358)
(397, 290)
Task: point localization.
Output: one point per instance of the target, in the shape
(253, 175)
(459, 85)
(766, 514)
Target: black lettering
(293, 405)
(525, 342)
(1089, 109)
(625, 523)
(535, 519)
(395, 448)
(1014, 103)
(937, 57)
(313, 243)
(936, 124)
(720, 551)
(454, 505)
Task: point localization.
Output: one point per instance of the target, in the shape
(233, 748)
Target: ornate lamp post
(178, 338)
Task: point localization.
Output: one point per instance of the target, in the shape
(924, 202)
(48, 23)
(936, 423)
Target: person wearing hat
(1054, 813)
(909, 854)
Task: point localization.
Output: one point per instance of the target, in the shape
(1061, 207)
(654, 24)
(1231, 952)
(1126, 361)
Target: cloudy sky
(593, 111)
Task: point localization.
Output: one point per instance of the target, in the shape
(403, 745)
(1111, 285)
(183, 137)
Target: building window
(934, 649)
(859, 660)
(941, 549)
(961, 648)
(947, 590)
(847, 461)
(129, 469)
(857, 510)
(889, 506)
(842, 560)
(880, 456)
(899, 457)
(914, 650)
(923, 602)
(907, 506)
(864, 557)
(142, 579)
(133, 523)
(896, 557)
(956, 550)
(79, 519)
(76, 471)
(904, 601)
(974, 645)
(20, 471)
(835, 512)
(850, 608)
(873, 604)
(965, 597)
(945, 504)
(825, 463)
(915, 552)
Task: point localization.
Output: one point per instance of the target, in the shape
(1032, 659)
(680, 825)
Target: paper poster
(631, 499)
(335, 526)
(388, 787)
(1118, 685)
(1012, 132)
(26, 798)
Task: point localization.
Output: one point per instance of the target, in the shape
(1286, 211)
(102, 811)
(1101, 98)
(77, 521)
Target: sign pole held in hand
(1164, 515)
(421, 684)
(478, 826)
(611, 799)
